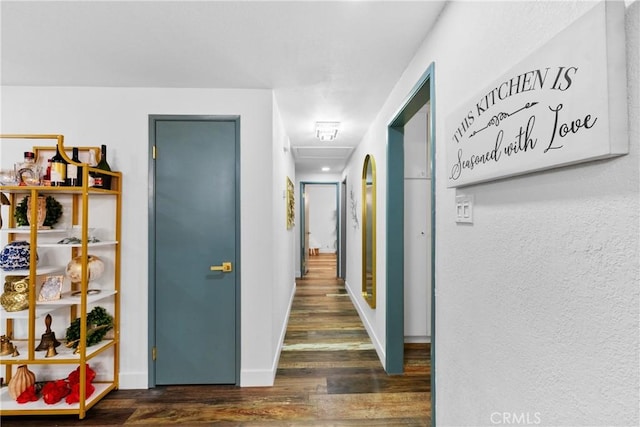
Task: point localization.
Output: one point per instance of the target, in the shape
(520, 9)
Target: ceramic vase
(15, 256)
(41, 207)
(22, 379)
(74, 268)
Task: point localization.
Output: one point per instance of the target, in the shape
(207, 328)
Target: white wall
(118, 117)
(284, 240)
(323, 216)
(538, 300)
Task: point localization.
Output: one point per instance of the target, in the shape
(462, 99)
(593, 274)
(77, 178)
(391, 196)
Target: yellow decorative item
(6, 346)
(74, 268)
(16, 293)
(22, 380)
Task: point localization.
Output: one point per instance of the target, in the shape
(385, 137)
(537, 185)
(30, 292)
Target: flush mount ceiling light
(326, 169)
(327, 131)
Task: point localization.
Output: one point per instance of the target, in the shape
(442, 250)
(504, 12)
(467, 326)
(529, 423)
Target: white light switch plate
(464, 209)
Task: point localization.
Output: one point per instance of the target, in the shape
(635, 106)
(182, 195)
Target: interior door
(305, 267)
(196, 227)
(342, 265)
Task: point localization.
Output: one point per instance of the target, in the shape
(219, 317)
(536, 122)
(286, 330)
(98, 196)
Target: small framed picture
(51, 289)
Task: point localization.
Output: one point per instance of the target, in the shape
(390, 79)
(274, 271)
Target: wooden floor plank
(328, 374)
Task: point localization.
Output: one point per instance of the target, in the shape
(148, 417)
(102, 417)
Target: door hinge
(153, 154)
(154, 353)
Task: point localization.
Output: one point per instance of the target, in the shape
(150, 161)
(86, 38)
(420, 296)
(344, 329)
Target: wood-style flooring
(328, 375)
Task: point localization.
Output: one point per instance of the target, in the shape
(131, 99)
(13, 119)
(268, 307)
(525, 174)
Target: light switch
(464, 209)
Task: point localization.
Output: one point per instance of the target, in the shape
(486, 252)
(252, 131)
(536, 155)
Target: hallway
(328, 375)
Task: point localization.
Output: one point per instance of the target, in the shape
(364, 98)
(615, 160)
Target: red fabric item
(54, 391)
(28, 395)
(74, 377)
(74, 396)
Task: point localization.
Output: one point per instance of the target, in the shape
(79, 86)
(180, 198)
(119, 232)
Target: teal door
(195, 231)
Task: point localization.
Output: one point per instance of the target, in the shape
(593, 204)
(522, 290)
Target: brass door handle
(226, 267)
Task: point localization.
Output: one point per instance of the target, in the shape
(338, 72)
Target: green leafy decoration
(54, 212)
(99, 322)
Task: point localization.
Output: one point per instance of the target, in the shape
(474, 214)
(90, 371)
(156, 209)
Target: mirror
(369, 230)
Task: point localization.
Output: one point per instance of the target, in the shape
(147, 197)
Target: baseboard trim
(422, 339)
(133, 381)
(267, 377)
(369, 328)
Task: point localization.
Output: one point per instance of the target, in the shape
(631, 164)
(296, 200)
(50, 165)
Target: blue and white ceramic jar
(15, 256)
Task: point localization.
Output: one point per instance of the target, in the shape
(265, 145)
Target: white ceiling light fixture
(327, 131)
(326, 169)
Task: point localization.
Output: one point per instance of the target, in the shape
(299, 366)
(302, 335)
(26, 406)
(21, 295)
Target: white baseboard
(417, 339)
(257, 377)
(380, 350)
(133, 381)
(266, 377)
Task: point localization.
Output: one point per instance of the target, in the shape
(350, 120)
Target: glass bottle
(28, 171)
(58, 169)
(92, 164)
(74, 172)
(103, 180)
(46, 178)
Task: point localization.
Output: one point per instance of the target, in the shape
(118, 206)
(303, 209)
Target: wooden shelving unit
(72, 305)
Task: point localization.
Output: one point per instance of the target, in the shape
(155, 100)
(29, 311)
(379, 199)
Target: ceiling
(325, 60)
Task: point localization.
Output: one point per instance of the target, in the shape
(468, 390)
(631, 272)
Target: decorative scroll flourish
(291, 205)
(354, 209)
(495, 120)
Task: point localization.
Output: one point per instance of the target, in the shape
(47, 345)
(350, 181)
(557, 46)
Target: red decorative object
(53, 391)
(74, 396)
(74, 377)
(28, 395)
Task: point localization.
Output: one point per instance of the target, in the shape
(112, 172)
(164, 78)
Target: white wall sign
(564, 104)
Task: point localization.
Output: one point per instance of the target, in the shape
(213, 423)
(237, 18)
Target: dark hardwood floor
(328, 375)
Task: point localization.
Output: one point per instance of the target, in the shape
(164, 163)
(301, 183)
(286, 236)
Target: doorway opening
(320, 223)
(421, 100)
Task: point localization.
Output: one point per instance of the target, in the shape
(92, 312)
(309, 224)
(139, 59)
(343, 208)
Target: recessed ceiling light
(327, 131)
(326, 169)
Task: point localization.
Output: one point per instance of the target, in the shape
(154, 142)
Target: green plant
(54, 212)
(99, 322)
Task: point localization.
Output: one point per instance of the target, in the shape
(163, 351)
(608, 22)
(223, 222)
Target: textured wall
(538, 300)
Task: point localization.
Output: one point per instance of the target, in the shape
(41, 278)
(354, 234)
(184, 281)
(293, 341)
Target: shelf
(26, 189)
(11, 407)
(77, 245)
(46, 307)
(27, 230)
(40, 270)
(26, 323)
(65, 355)
(67, 299)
